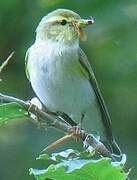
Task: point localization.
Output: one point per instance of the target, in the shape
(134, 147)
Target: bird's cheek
(79, 31)
(82, 34)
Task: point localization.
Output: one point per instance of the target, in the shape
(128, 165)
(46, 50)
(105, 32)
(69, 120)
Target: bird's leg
(81, 119)
(79, 126)
(73, 130)
(66, 118)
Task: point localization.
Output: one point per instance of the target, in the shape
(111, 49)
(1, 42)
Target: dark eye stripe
(63, 22)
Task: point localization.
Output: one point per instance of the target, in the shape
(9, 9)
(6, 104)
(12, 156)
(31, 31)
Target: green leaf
(66, 155)
(10, 111)
(77, 167)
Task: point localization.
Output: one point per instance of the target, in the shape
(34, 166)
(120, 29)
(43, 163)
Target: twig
(57, 143)
(4, 64)
(55, 121)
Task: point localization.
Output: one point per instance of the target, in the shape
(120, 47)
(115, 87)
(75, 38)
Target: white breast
(57, 80)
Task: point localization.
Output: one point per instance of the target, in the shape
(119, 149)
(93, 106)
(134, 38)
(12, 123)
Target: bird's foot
(86, 145)
(76, 130)
(34, 102)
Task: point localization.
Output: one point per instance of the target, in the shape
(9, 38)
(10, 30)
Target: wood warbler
(62, 77)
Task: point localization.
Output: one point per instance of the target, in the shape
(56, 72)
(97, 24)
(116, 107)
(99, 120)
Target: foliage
(10, 111)
(73, 165)
(67, 164)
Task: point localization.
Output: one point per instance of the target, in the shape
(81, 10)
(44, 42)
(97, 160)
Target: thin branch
(46, 118)
(4, 64)
(57, 143)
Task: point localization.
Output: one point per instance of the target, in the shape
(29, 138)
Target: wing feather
(26, 63)
(106, 120)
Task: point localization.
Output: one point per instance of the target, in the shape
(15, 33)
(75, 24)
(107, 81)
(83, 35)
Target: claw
(35, 101)
(76, 130)
(37, 104)
(88, 147)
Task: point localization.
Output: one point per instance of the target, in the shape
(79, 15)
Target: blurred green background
(112, 49)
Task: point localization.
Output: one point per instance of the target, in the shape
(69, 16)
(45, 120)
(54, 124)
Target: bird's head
(62, 25)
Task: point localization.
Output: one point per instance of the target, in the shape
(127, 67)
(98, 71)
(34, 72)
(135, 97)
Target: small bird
(61, 75)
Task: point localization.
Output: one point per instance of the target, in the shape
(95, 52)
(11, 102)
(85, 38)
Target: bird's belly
(63, 87)
(63, 91)
(69, 91)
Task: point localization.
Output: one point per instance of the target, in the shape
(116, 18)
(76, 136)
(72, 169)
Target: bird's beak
(85, 22)
(81, 24)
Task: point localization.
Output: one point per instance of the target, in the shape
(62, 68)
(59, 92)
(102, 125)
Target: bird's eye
(63, 22)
